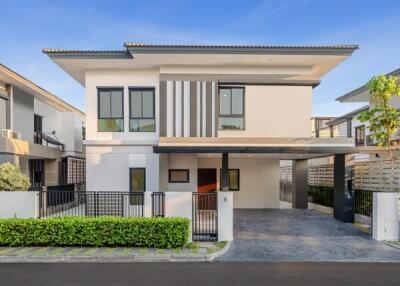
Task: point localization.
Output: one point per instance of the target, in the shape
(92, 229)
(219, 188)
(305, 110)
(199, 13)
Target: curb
(122, 259)
(213, 256)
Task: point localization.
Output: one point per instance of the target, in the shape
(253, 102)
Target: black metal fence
(363, 202)
(158, 204)
(204, 217)
(320, 195)
(63, 202)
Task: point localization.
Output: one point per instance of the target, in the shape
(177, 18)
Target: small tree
(383, 118)
(11, 178)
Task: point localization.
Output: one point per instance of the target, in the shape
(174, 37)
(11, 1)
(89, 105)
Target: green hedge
(98, 231)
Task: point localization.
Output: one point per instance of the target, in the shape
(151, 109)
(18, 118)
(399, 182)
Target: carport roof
(308, 147)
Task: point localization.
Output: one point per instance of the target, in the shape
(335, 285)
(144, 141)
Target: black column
(343, 204)
(224, 171)
(299, 184)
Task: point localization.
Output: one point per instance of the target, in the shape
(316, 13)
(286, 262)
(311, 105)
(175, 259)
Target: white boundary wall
(386, 213)
(19, 204)
(225, 216)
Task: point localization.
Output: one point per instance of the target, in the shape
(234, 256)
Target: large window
(360, 135)
(231, 108)
(110, 110)
(37, 127)
(137, 184)
(233, 179)
(178, 176)
(141, 115)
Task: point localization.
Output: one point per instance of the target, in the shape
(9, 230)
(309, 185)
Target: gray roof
(133, 47)
(363, 88)
(42, 90)
(350, 114)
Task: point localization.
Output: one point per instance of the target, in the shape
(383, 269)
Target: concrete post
(343, 202)
(299, 184)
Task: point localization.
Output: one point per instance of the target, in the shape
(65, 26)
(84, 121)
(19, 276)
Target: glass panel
(138, 180)
(229, 123)
(104, 104)
(233, 179)
(148, 104)
(225, 101)
(237, 101)
(136, 103)
(179, 176)
(116, 104)
(110, 125)
(142, 125)
(137, 184)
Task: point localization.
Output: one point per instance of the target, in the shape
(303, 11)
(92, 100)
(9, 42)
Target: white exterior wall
(107, 167)
(275, 111)
(386, 216)
(19, 204)
(259, 180)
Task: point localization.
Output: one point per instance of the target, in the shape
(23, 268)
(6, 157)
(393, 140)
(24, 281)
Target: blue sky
(29, 26)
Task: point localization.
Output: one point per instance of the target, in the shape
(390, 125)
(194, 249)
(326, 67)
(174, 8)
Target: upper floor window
(142, 109)
(37, 128)
(231, 108)
(110, 110)
(360, 135)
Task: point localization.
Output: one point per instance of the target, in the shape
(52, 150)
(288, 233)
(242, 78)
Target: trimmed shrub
(98, 231)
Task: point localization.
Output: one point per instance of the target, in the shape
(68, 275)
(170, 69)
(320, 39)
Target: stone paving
(301, 235)
(194, 252)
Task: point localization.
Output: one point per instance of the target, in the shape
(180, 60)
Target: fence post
(147, 206)
(225, 216)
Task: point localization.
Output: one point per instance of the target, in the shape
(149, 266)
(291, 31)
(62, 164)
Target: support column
(299, 184)
(343, 204)
(224, 171)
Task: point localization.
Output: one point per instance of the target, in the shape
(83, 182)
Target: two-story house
(41, 133)
(202, 118)
(361, 94)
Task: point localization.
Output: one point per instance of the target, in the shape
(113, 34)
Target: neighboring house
(361, 94)
(349, 126)
(319, 127)
(41, 133)
(200, 118)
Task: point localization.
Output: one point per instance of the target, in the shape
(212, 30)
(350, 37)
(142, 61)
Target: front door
(206, 180)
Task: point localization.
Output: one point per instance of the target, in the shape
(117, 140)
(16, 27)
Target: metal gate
(205, 217)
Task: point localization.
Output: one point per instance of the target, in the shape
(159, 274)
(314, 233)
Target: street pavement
(200, 273)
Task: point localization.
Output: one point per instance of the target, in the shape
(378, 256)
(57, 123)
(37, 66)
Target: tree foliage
(12, 179)
(383, 117)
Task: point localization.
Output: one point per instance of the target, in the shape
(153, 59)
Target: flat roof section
(305, 148)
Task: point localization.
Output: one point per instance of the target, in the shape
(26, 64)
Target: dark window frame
(179, 170)
(242, 115)
(359, 141)
(116, 88)
(229, 188)
(154, 107)
(37, 139)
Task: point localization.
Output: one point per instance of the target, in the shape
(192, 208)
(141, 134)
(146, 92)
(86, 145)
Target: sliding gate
(205, 217)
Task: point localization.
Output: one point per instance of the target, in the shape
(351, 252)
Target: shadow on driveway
(301, 235)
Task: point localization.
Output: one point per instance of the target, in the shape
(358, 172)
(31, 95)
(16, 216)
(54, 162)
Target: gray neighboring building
(40, 132)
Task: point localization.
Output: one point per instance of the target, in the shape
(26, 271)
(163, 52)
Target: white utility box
(385, 216)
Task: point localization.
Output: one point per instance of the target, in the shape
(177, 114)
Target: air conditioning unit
(8, 133)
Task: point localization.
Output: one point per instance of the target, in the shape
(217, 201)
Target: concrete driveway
(301, 235)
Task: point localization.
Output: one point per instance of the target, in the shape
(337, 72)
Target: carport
(297, 149)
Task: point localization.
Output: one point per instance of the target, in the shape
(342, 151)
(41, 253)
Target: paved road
(301, 235)
(193, 274)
